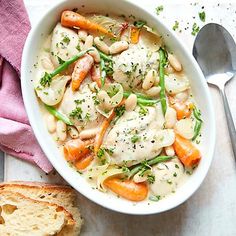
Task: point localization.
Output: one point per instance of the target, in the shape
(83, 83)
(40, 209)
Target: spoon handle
(230, 122)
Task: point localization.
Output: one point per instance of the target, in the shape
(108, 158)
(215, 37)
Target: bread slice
(61, 195)
(23, 216)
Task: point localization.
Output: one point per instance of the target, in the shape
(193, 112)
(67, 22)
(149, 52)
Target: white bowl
(199, 87)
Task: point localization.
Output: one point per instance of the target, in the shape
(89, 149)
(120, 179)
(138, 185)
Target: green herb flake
(151, 178)
(60, 61)
(175, 26)
(195, 29)
(135, 138)
(46, 80)
(139, 24)
(76, 113)
(155, 198)
(66, 40)
(101, 153)
(78, 47)
(159, 9)
(119, 111)
(202, 16)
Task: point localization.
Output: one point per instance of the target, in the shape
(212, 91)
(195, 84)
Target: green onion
(58, 115)
(155, 160)
(104, 56)
(198, 123)
(142, 99)
(47, 78)
(162, 63)
(103, 72)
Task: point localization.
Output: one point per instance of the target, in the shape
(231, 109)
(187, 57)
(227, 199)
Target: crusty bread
(23, 216)
(61, 195)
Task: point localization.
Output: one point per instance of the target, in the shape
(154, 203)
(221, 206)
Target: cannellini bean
(174, 62)
(154, 91)
(138, 178)
(93, 87)
(170, 151)
(118, 47)
(170, 118)
(47, 64)
(61, 130)
(105, 99)
(95, 54)
(73, 132)
(88, 133)
(88, 42)
(82, 35)
(157, 80)
(149, 79)
(131, 102)
(51, 123)
(183, 96)
(101, 45)
(185, 128)
(169, 69)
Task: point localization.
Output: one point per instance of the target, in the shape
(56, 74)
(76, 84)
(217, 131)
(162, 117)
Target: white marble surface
(212, 209)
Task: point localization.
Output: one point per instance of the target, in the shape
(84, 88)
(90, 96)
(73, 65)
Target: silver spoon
(215, 51)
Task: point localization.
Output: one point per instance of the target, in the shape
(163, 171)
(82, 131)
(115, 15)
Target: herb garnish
(202, 16)
(139, 24)
(159, 9)
(66, 40)
(135, 138)
(195, 29)
(175, 26)
(60, 61)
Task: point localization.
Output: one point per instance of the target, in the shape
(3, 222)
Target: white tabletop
(212, 209)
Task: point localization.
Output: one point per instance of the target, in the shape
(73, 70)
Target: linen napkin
(16, 135)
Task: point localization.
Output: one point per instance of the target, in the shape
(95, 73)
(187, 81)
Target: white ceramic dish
(199, 87)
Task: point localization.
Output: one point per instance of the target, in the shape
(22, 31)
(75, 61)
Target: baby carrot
(84, 162)
(127, 189)
(73, 19)
(134, 35)
(82, 67)
(188, 154)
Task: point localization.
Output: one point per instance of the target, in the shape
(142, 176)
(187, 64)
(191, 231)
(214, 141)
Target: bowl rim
(38, 134)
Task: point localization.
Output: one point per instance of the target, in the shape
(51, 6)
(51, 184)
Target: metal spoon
(215, 51)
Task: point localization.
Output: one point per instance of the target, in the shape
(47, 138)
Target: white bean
(169, 70)
(61, 130)
(88, 42)
(105, 99)
(170, 151)
(51, 123)
(154, 91)
(101, 45)
(88, 133)
(73, 132)
(149, 79)
(131, 102)
(46, 63)
(185, 128)
(174, 62)
(95, 54)
(170, 118)
(82, 35)
(118, 47)
(157, 80)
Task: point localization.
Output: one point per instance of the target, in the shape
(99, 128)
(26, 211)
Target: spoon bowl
(215, 51)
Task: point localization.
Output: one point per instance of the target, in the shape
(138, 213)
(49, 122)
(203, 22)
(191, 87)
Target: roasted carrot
(188, 154)
(76, 149)
(84, 162)
(82, 67)
(134, 34)
(72, 19)
(95, 75)
(183, 110)
(103, 129)
(127, 189)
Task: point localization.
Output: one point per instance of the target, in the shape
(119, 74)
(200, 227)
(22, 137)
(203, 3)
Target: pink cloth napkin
(16, 135)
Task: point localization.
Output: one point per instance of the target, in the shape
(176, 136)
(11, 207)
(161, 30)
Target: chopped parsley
(78, 47)
(159, 9)
(119, 111)
(135, 138)
(101, 153)
(151, 178)
(202, 16)
(195, 29)
(112, 90)
(76, 113)
(175, 174)
(142, 111)
(60, 61)
(175, 26)
(66, 40)
(139, 24)
(79, 101)
(46, 80)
